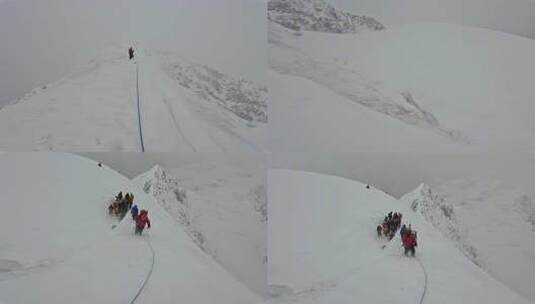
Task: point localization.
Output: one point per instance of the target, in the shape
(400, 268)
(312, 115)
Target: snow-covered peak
(166, 190)
(318, 16)
(424, 200)
(155, 174)
(437, 211)
(431, 205)
(242, 97)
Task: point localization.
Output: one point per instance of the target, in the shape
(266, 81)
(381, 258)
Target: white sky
(399, 173)
(396, 173)
(132, 164)
(40, 41)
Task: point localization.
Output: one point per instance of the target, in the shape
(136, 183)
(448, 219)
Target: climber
(130, 200)
(402, 230)
(379, 230)
(131, 53)
(409, 241)
(142, 220)
(134, 211)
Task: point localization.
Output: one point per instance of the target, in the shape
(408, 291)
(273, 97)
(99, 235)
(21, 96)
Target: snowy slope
(222, 206)
(470, 86)
(62, 249)
(323, 249)
(491, 221)
(95, 109)
(314, 117)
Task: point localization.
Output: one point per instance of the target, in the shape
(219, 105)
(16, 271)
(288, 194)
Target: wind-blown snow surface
(95, 109)
(58, 245)
(453, 86)
(222, 207)
(323, 249)
(492, 222)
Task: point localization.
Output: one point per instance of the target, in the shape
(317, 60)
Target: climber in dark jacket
(402, 230)
(131, 53)
(134, 211)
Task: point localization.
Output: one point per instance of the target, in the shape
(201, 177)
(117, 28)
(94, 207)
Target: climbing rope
(147, 277)
(139, 110)
(425, 282)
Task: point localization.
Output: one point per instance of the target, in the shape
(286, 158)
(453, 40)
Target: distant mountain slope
(318, 16)
(242, 97)
(467, 85)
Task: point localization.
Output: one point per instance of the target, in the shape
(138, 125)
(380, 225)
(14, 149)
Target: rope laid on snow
(138, 109)
(148, 274)
(425, 282)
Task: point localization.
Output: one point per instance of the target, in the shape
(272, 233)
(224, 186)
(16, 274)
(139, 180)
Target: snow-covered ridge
(435, 209)
(318, 16)
(94, 109)
(166, 190)
(221, 208)
(526, 206)
(244, 98)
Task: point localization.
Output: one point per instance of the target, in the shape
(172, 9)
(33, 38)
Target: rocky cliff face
(244, 98)
(318, 16)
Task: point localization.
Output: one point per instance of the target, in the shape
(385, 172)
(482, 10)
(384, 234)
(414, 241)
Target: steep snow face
(47, 217)
(436, 77)
(222, 206)
(472, 79)
(295, 56)
(244, 98)
(490, 221)
(96, 109)
(58, 244)
(318, 16)
(323, 248)
(93, 109)
(442, 215)
(166, 191)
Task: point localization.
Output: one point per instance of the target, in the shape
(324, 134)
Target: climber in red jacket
(142, 220)
(409, 241)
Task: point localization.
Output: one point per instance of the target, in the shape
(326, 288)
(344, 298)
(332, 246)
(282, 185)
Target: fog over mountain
(510, 16)
(399, 173)
(41, 41)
